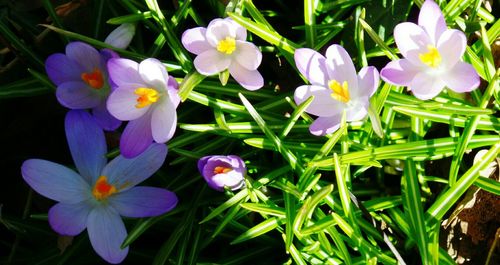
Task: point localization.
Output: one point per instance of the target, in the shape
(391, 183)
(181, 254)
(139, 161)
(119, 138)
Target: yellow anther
(339, 92)
(431, 58)
(227, 45)
(146, 96)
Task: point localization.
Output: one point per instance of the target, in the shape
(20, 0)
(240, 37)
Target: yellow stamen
(102, 189)
(146, 96)
(221, 169)
(340, 92)
(93, 79)
(431, 58)
(227, 45)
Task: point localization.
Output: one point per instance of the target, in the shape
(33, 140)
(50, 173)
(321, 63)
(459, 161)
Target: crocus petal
(323, 103)
(311, 64)
(136, 137)
(154, 73)
(232, 179)
(163, 121)
(106, 233)
(425, 86)
(125, 173)
(124, 71)
(104, 119)
(122, 103)
(412, 41)
(87, 144)
(202, 162)
(432, 20)
(211, 62)
(121, 36)
(87, 56)
(340, 67)
(61, 69)
(241, 32)
(77, 95)
(249, 79)
(69, 219)
(194, 40)
(461, 78)
(451, 47)
(357, 110)
(143, 202)
(400, 72)
(368, 79)
(217, 30)
(248, 55)
(325, 125)
(55, 181)
(173, 89)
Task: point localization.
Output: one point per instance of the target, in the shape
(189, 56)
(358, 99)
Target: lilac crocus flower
(223, 171)
(121, 36)
(96, 196)
(335, 86)
(432, 56)
(82, 80)
(220, 46)
(146, 96)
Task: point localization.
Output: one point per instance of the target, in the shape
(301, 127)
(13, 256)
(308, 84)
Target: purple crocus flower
(82, 80)
(432, 56)
(146, 96)
(96, 196)
(335, 86)
(220, 46)
(223, 171)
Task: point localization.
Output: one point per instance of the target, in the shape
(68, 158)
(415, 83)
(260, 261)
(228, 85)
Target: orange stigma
(219, 170)
(102, 189)
(93, 79)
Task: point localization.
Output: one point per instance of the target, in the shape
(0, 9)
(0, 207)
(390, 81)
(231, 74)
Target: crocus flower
(335, 86)
(223, 171)
(432, 55)
(96, 196)
(82, 80)
(121, 36)
(220, 46)
(146, 96)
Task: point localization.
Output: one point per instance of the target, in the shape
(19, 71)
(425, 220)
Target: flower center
(102, 189)
(227, 45)
(339, 92)
(146, 96)
(431, 58)
(222, 169)
(93, 79)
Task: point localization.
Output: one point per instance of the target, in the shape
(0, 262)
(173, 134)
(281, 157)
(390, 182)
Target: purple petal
(357, 110)
(136, 137)
(248, 55)
(202, 162)
(54, 181)
(124, 71)
(432, 20)
(340, 67)
(85, 55)
(69, 219)
(106, 233)
(194, 40)
(106, 55)
(211, 62)
(143, 202)
(451, 47)
(77, 95)
(154, 73)
(125, 173)
(232, 180)
(121, 36)
(368, 79)
(61, 69)
(461, 78)
(104, 119)
(400, 72)
(323, 103)
(218, 29)
(163, 121)
(249, 79)
(122, 103)
(311, 64)
(87, 144)
(325, 125)
(241, 32)
(412, 41)
(173, 89)
(425, 86)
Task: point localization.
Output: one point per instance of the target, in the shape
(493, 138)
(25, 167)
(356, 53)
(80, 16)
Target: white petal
(461, 78)
(323, 104)
(340, 66)
(154, 73)
(248, 55)
(164, 121)
(451, 47)
(250, 80)
(425, 86)
(122, 103)
(412, 40)
(211, 62)
(218, 29)
(194, 40)
(432, 20)
(312, 65)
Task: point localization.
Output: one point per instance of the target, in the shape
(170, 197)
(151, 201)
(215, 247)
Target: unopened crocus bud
(121, 36)
(223, 171)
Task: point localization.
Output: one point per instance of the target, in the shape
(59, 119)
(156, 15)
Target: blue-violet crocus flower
(96, 196)
(147, 97)
(432, 55)
(223, 171)
(335, 86)
(82, 80)
(220, 46)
